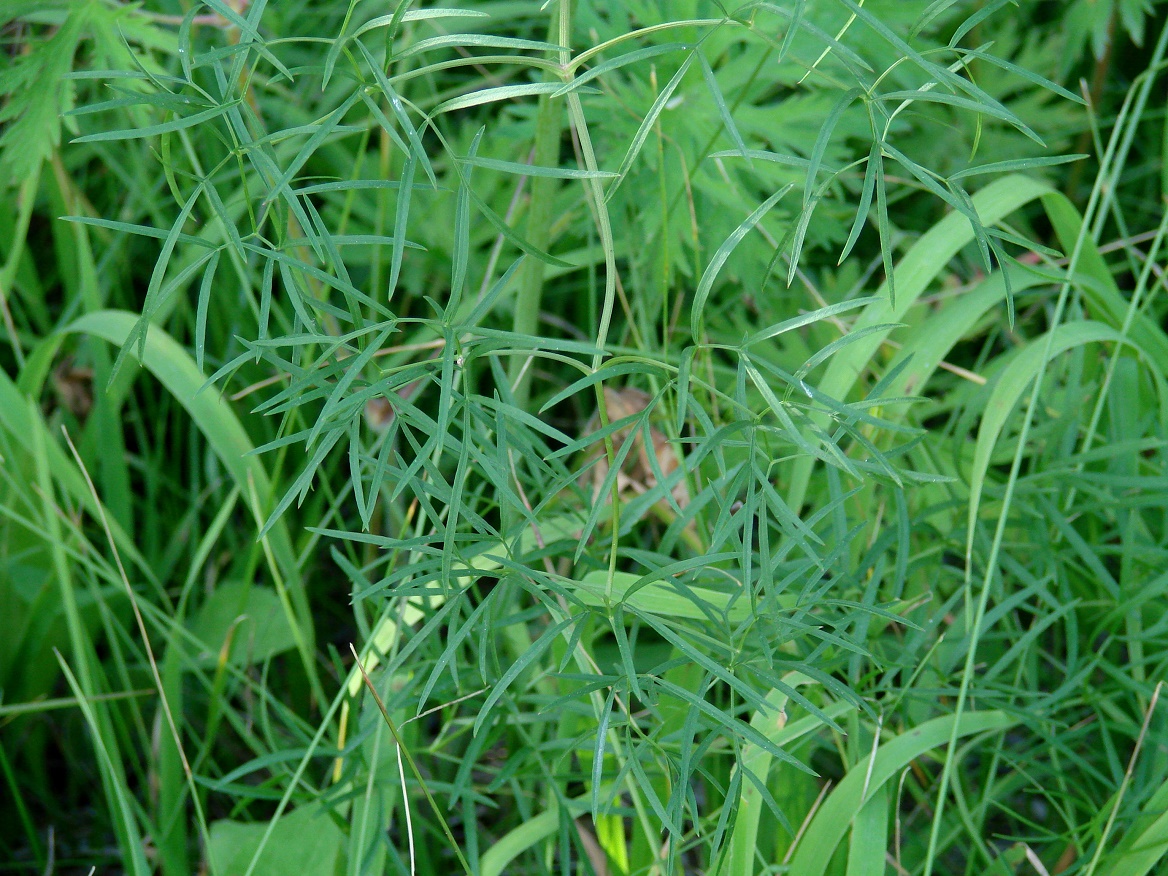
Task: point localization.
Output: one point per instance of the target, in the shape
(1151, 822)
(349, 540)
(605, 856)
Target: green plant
(634, 391)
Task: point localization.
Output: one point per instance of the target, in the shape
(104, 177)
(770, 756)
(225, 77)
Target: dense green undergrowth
(630, 438)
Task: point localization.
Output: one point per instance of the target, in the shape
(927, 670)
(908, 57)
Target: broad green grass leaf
(496, 859)
(868, 841)
(1146, 842)
(843, 804)
(1014, 380)
(741, 850)
(1094, 278)
(919, 267)
(925, 345)
(16, 418)
(176, 370)
(113, 779)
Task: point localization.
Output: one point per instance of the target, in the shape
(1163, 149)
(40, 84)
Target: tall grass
(595, 438)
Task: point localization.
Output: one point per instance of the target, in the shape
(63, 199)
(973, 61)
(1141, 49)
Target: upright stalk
(548, 130)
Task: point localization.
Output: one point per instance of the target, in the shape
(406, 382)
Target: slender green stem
(546, 153)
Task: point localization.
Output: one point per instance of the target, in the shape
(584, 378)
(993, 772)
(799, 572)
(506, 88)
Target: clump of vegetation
(582, 438)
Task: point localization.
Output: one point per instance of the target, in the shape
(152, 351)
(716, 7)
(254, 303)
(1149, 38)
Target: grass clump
(615, 439)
